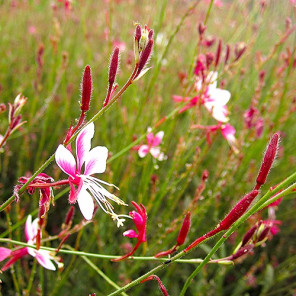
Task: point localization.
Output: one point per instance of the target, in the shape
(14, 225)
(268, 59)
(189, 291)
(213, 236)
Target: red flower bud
(218, 53)
(201, 29)
(238, 210)
(145, 56)
(86, 89)
(249, 234)
(70, 215)
(138, 33)
(184, 230)
(268, 160)
(150, 35)
(227, 54)
(113, 66)
(242, 251)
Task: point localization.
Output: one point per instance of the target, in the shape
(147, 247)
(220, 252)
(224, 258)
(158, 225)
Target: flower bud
(249, 234)
(268, 160)
(145, 56)
(238, 210)
(239, 50)
(201, 28)
(184, 230)
(218, 53)
(70, 215)
(242, 251)
(227, 54)
(113, 66)
(86, 89)
(138, 33)
(150, 35)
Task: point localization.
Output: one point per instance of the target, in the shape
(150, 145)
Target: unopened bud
(113, 66)
(160, 284)
(2, 107)
(138, 33)
(238, 210)
(70, 215)
(264, 233)
(239, 50)
(145, 56)
(227, 54)
(150, 35)
(205, 175)
(201, 29)
(209, 59)
(86, 89)
(268, 160)
(249, 234)
(242, 251)
(218, 53)
(184, 229)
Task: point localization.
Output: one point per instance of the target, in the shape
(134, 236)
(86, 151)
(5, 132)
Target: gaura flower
(140, 219)
(43, 257)
(212, 97)
(153, 146)
(88, 187)
(227, 131)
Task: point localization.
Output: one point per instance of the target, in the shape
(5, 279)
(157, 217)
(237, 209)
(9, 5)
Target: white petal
(95, 160)
(220, 96)
(43, 257)
(65, 160)
(155, 152)
(28, 229)
(83, 143)
(143, 150)
(86, 204)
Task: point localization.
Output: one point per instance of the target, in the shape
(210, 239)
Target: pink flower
(140, 219)
(214, 99)
(88, 187)
(153, 146)
(43, 257)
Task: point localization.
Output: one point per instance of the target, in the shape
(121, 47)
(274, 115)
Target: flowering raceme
(43, 257)
(88, 187)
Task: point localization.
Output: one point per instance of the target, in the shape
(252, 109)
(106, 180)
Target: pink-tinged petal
(228, 132)
(16, 255)
(180, 99)
(43, 257)
(186, 107)
(4, 253)
(28, 229)
(158, 138)
(34, 229)
(143, 150)
(73, 194)
(66, 161)
(137, 218)
(150, 138)
(86, 204)
(95, 160)
(130, 233)
(83, 144)
(155, 152)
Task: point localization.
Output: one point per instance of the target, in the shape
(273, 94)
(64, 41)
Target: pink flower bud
(201, 29)
(209, 58)
(86, 89)
(150, 35)
(249, 234)
(69, 216)
(268, 160)
(238, 210)
(184, 230)
(239, 50)
(242, 251)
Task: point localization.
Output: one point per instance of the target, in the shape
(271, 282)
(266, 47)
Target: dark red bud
(138, 33)
(160, 284)
(238, 210)
(70, 215)
(86, 89)
(249, 234)
(242, 251)
(227, 54)
(264, 234)
(184, 230)
(205, 175)
(113, 66)
(150, 35)
(218, 53)
(239, 50)
(209, 58)
(201, 28)
(268, 160)
(145, 55)
(261, 76)
(2, 107)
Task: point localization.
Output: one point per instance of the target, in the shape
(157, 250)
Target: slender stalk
(33, 271)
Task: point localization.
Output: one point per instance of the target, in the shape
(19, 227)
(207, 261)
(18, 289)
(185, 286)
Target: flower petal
(4, 253)
(130, 233)
(220, 96)
(28, 229)
(86, 203)
(155, 152)
(158, 138)
(83, 143)
(143, 150)
(43, 257)
(95, 160)
(66, 161)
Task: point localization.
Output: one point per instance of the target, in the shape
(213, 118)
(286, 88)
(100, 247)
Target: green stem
(29, 287)
(208, 12)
